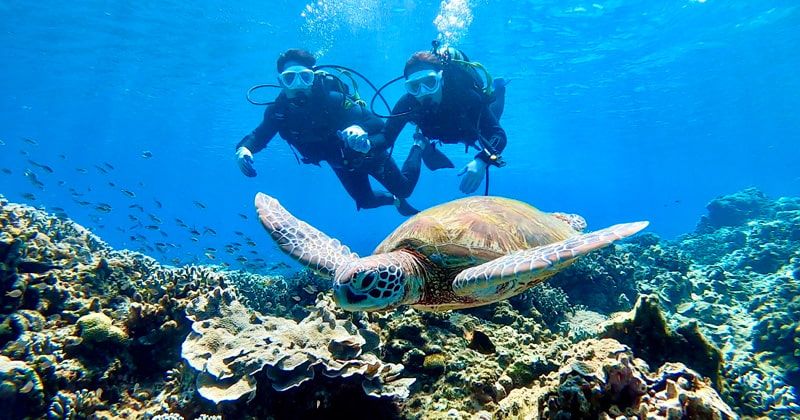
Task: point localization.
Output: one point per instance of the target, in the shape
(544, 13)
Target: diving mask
(424, 82)
(296, 77)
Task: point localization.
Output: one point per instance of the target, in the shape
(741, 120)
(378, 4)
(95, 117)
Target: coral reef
(86, 330)
(645, 330)
(230, 344)
(601, 379)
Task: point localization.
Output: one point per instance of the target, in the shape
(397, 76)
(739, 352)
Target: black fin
(404, 208)
(434, 159)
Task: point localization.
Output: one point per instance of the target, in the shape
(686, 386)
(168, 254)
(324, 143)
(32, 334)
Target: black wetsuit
(463, 116)
(310, 125)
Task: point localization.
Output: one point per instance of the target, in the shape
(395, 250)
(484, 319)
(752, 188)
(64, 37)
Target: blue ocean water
(617, 110)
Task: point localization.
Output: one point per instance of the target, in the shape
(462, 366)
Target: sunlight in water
(325, 18)
(453, 20)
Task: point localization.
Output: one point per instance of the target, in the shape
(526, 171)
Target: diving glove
(244, 158)
(356, 138)
(473, 174)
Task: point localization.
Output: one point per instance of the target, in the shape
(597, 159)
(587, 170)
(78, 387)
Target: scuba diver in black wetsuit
(447, 101)
(321, 122)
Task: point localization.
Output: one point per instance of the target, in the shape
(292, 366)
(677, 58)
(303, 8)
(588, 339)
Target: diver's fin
(404, 208)
(434, 158)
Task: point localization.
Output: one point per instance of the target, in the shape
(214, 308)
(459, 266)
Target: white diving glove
(244, 158)
(473, 174)
(356, 138)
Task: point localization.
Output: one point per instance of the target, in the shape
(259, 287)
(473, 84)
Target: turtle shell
(473, 230)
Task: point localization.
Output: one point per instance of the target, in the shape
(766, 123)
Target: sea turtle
(460, 254)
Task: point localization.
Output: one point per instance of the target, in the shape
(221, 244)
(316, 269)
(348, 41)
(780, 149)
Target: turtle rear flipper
(300, 240)
(513, 273)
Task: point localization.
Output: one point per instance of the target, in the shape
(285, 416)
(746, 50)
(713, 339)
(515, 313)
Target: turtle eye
(368, 280)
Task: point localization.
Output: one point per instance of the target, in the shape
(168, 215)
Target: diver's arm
(492, 137)
(257, 140)
(394, 125)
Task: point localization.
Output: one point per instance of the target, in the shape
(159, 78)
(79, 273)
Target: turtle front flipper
(513, 273)
(300, 240)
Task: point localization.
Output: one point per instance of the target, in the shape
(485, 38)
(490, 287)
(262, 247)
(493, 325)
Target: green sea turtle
(464, 253)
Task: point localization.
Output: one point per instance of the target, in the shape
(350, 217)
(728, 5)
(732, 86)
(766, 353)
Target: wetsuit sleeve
(394, 125)
(493, 137)
(257, 140)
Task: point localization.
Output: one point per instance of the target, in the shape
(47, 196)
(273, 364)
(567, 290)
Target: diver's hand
(356, 138)
(244, 158)
(473, 173)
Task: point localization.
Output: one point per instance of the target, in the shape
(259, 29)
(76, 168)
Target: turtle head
(373, 283)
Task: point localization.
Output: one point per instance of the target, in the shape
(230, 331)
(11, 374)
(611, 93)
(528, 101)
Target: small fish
(154, 218)
(81, 170)
(128, 193)
(164, 234)
(194, 231)
(34, 179)
(151, 227)
(82, 202)
(243, 216)
(479, 341)
(2, 143)
(14, 293)
(24, 153)
(296, 298)
(239, 233)
(210, 256)
(111, 184)
(158, 203)
(29, 196)
(181, 223)
(62, 156)
(209, 249)
(207, 229)
(108, 165)
(57, 208)
(133, 218)
(136, 206)
(194, 238)
(103, 207)
(101, 169)
(62, 183)
(7, 171)
(199, 204)
(147, 154)
(251, 243)
(30, 141)
(41, 166)
(242, 259)
(310, 289)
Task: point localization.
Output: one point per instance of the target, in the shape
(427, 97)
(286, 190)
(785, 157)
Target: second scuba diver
(321, 122)
(447, 101)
